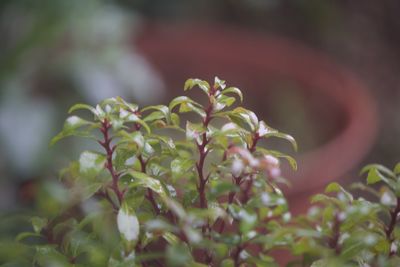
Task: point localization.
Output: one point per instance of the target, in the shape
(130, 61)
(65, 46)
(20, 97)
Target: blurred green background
(54, 53)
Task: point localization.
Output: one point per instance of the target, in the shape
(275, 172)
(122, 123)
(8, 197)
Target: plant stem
(255, 140)
(334, 241)
(202, 157)
(236, 255)
(391, 226)
(203, 179)
(106, 144)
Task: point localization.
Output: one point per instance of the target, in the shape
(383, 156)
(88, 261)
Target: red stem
(334, 241)
(109, 148)
(203, 179)
(393, 220)
(236, 256)
(202, 157)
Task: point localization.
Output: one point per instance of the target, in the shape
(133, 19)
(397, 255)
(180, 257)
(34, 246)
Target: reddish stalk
(203, 179)
(202, 157)
(334, 240)
(109, 148)
(236, 255)
(390, 228)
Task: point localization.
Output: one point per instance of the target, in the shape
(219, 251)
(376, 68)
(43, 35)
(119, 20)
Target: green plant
(343, 230)
(166, 188)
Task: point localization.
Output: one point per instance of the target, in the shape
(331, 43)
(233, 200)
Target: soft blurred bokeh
(54, 53)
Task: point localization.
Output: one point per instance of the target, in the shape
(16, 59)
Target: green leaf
(364, 187)
(91, 163)
(333, 187)
(376, 171)
(171, 238)
(148, 181)
(196, 264)
(248, 220)
(283, 136)
(380, 168)
(219, 84)
(25, 235)
(125, 105)
(397, 169)
(336, 188)
(38, 224)
(320, 198)
(373, 176)
(134, 118)
(182, 100)
(189, 107)
(203, 85)
(320, 263)
(227, 263)
(49, 256)
(179, 255)
(161, 108)
(234, 90)
(156, 115)
(175, 119)
(180, 166)
(90, 189)
(71, 128)
(243, 117)
(83, 106)
(226, 100)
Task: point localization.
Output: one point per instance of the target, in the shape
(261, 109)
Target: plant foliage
(165, 190)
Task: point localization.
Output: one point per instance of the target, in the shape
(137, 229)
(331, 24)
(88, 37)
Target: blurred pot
(251, 61)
